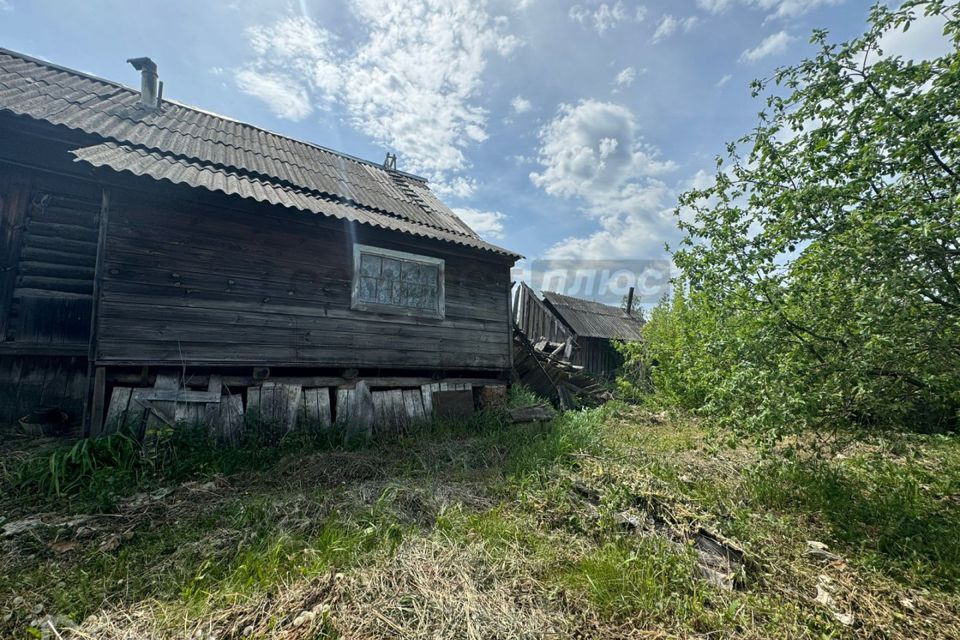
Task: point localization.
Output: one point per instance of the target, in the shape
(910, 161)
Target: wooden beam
(13, 208)
(93, 419)
(98, 394)
(175, 395)
(39, 349)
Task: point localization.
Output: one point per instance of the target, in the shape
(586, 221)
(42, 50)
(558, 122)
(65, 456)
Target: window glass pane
(411, 271)
(416, 297)
(396, 281)
(369, 265)
(429, 274)
(390, 269)
(368, 289)
(430, 297)
(385, 292)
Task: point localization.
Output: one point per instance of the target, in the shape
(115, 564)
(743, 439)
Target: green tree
(822, 261)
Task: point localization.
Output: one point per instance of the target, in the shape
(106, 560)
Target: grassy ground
(491, 531)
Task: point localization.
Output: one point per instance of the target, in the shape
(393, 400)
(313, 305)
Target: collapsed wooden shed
(182, 263)
(588, 329)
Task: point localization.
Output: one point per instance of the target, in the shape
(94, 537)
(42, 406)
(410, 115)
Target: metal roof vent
(151, 93)
(390, 162)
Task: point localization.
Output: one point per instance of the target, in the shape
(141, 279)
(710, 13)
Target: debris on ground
(542, 368)
(720, 561)
(25, 525)
(820, 551)
(531, 413)
(825, 597)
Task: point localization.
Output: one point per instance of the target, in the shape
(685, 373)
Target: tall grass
(894, 515)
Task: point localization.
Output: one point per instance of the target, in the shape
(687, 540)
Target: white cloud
(781, 9)
(772, 45)
(606, 16)
(670, 25)
(592, 152)
(625, 236)
(285, 96)
(714, 6)
(724, 80)
(488, 224)
(626, 77)
(520, 105)
(6, 5)
(410, 82)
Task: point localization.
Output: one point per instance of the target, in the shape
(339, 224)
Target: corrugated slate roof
(159, 166)
(194, 147)
(593, 319)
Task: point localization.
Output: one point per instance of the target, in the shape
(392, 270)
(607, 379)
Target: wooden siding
(534, 319)
(537, 321)
(207, 285)
(598, 356)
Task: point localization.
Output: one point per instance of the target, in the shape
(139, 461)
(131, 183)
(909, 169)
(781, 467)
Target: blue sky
(558, 129)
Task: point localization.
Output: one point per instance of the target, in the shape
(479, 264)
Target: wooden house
(588, 328)
(155, 252)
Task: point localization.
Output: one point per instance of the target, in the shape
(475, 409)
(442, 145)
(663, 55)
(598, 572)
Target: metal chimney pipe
(149, 91)
(630, 302)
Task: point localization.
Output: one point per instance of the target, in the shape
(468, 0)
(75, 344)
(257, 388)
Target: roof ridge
(90, 76)
(592, 302)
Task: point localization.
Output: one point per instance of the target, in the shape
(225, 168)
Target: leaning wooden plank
(189, 413)
(117, 411)
(355, 410)
(324, 416)
(215, 385)
(413, 406)
(426, 397)
(177, 395)
(397, 414)
(307, 412)
(229, 419)
(252, 413)
(160, 414)
(291, 395)
(166, 381)
(380, 420)
(268, 409)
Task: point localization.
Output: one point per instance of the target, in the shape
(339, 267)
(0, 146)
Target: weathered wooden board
(225, 419)
(426, 396)
(160, 414)
(274, 405)
(355, 411)
(316, 409)
(413, 407)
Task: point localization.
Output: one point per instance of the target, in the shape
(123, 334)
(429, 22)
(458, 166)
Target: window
(397, 282)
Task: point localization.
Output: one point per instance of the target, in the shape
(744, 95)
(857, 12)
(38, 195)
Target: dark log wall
(47, 228)
(29, 382)
(48, 240)
(200, 284)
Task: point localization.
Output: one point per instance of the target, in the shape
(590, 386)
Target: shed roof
(593, 319)
(190, 146)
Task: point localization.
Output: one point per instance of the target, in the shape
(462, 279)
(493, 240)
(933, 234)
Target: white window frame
(363, 305)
